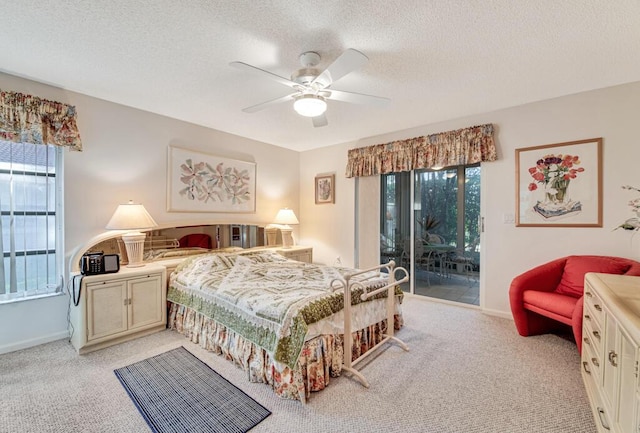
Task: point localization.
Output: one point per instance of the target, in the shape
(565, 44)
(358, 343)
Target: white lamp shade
(310, 105)
(131, 216)
(286, 217)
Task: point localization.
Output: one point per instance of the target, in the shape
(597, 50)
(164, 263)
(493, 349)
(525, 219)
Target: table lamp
(284, 219)
(132, 217)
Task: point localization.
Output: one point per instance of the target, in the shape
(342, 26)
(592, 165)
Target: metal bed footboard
(348, 285)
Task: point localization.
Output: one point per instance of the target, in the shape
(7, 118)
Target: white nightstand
(297, 252)
(114, 308)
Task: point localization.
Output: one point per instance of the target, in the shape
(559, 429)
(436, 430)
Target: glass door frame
(460, 219)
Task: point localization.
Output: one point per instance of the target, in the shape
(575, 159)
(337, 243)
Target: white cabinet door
(145, 301)
(106, 310)
(626, 361)
(610, 370)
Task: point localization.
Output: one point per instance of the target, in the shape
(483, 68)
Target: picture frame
(560, 185)
(201, 182)
(325, 189)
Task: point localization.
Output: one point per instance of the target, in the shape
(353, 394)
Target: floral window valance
(28, 119)
(459, 147)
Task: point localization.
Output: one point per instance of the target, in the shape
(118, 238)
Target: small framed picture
(325, 189)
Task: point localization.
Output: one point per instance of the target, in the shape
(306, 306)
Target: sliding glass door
(430, 225)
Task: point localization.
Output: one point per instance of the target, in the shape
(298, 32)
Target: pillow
(572, 282)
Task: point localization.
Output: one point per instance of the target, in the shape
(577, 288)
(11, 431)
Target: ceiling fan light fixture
(310, 105)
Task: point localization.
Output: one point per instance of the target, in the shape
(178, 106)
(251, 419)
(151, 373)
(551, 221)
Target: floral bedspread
(264, 297)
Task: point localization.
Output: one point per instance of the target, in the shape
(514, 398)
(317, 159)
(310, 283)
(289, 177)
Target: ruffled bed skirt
(321, 357)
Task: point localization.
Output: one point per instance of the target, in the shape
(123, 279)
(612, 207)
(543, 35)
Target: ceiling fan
(313, 87)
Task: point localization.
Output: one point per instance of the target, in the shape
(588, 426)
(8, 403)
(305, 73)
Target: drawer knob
(613, 358)
(603, 419)
(597, 307)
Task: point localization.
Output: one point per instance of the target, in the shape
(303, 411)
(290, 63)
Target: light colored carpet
(466, 372)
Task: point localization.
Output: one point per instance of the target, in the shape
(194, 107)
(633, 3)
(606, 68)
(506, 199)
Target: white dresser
(610, 355)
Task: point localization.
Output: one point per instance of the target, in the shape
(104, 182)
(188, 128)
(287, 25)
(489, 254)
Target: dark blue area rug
(176, 392)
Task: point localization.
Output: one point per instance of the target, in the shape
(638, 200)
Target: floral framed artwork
(560, 185)
(200, 182)
(325, 189)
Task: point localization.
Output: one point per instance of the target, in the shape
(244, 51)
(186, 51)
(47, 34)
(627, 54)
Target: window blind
(28, 220)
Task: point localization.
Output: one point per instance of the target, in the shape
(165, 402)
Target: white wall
(611, 113)
(125, 157)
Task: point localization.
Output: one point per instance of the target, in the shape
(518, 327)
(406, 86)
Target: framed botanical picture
(199, 182)
(325, 189)
(560, 185)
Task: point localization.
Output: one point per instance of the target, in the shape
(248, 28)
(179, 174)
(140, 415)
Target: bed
(283, 321)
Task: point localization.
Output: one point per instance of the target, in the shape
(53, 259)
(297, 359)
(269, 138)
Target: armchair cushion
(572, 282)
(559, 306)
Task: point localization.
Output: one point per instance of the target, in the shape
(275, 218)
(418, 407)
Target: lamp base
(134, 243)
(287, 238)
(272, 234)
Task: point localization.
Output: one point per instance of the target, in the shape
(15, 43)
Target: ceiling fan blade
(347, 62)
(266, 104)
(356, 98)
(320, 120)
(246, 67)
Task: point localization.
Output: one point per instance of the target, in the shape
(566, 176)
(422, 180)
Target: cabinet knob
(587, 341)
(613, 358)
(597, 307)
(595, 362)
(585, 365)
(588, 294)
(596, 334)
(586, 316)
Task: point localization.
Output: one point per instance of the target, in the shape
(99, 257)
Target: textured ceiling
(435, 60)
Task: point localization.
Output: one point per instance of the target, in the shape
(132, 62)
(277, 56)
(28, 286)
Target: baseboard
(33, 342)
(497, 313)
(490, 312)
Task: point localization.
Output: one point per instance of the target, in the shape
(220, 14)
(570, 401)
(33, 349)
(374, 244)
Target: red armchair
(549, 297)
(201, 240)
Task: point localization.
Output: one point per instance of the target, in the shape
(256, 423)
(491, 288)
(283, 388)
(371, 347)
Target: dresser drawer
(592, 334)
(593, 304)
(591, 364)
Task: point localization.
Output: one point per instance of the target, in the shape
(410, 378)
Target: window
(31, 220)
